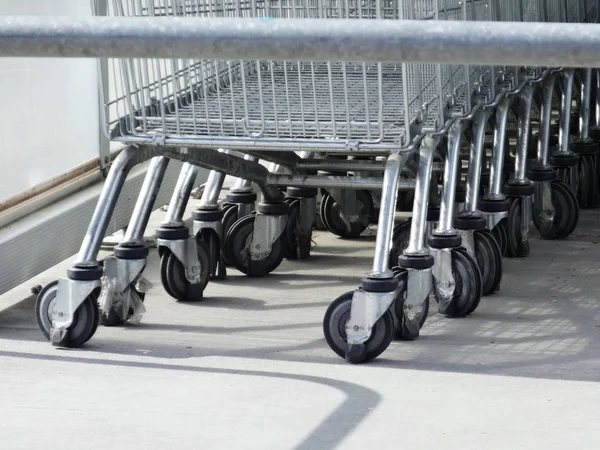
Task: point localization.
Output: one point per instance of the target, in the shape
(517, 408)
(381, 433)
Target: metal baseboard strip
(47, 237)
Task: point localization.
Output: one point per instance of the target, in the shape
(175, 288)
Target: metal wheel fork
(85, 275)
(497, 162)
(367, 306)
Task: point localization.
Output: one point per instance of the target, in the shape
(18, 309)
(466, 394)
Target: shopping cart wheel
(518, 246)
(499, 233)
(400, 237)
(174, 281)
(332, 216)
(297, 245)
(113, 318)
(237, 249)
(85, 321)
(489, 259)
(230, 216)
(212, 243)
(588, 190)
(566, 214)
(468, 286)
(334, 329)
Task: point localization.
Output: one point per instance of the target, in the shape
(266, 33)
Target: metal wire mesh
(382, 104)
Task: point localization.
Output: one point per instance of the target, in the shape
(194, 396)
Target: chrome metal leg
(450, 179)
(416, 243)
(565, 111)
(584, 106)
(524, 126)
(181, 196)
(497, 163)
(145, 201)
(476, 161)
(543, 149)
(389, 194)
(367, 306)
(117, 175)
(212, 189)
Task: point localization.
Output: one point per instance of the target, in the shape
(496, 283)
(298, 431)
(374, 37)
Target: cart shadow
(286, 281)
(358, 403)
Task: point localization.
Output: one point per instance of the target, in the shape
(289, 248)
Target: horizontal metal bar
(450, 42)
(326, 164)
(333, 181)
(267, 144)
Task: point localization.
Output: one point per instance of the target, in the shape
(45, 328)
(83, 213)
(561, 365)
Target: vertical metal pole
(584, 107)
(565, 110)
(389, 194)
(476, 160)
(497, 163)
(106, 205)
(146, 198)
(450, 179)
(416, 243)
(100, 8)
(212, 188)
(181, 195)
(524, 125)
(543, 149)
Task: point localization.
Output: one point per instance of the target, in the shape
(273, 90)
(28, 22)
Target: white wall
(49, 108)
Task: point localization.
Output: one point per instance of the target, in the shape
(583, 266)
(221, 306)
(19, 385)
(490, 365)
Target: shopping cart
(208, 112)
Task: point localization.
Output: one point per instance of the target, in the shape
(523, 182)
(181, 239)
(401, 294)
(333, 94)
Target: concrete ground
(248, 368)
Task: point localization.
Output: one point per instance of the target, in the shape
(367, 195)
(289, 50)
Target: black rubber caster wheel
(518, 245)
(467, 289)
(212, 243)
(489, 259)
(85, 320)
(332, 216)
(400, 238)
(174, 281)
(238, 241)
(230, 216)
(297, 246)
(114, 319)
(499, 233)
(334, 329)
(566, 214)
(588, 183)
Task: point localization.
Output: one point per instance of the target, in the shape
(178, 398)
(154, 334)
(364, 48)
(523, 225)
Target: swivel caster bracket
(267, 229)
(444, 282)
(367, 308)
(185, 250)
(70, 295)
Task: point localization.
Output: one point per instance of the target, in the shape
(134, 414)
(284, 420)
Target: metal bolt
(448, 284)
(60, 314)
(355, 327)
(193, 269)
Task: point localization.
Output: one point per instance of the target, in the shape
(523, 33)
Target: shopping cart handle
(446, 42)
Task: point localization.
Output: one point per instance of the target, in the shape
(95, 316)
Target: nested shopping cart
(225, 115)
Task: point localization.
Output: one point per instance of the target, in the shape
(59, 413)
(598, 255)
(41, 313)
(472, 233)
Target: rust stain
(72, 176)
